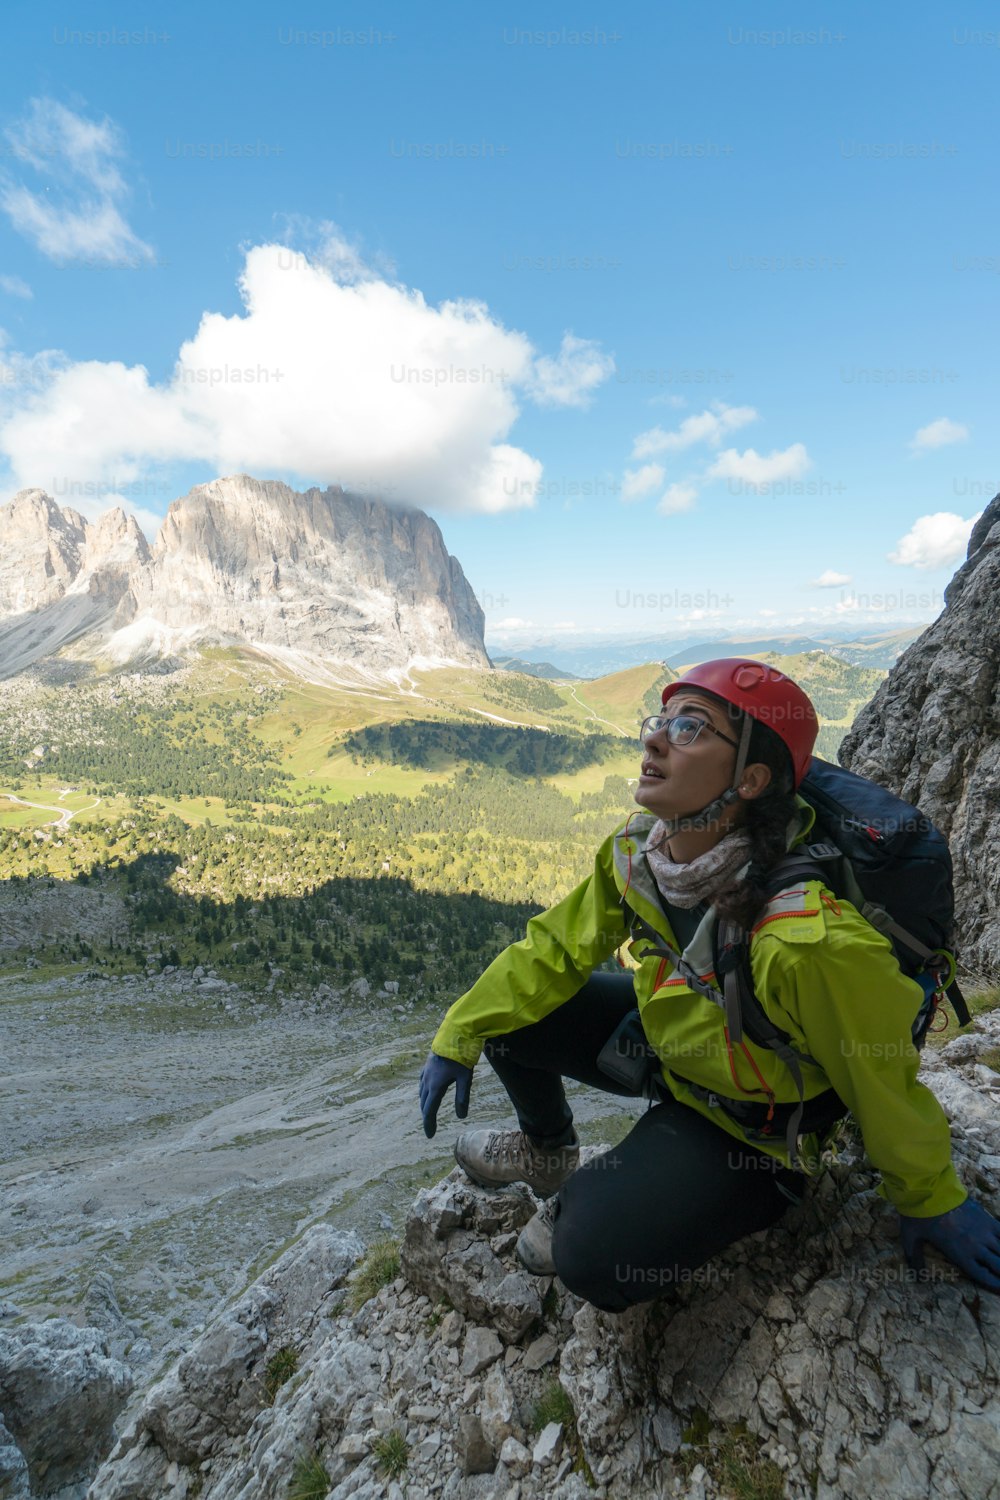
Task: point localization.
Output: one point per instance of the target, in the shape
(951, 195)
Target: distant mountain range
(879, 649)
(532, 668)
(327, 581)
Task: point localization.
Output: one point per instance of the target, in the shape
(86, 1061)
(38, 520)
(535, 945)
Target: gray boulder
(457, 1246)
(60, 1392)
(14, 1483)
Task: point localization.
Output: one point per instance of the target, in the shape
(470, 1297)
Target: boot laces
(507, 1145)
(547, 1213)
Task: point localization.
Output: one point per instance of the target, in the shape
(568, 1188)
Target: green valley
(293, 833)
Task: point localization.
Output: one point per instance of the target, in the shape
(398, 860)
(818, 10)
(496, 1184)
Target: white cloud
(572, 376)
(77, 215)
(934, 541)
(15, 287)
(325, 244)
(938, 434)
(639, 482)
(318, 380)
(706, 427)
(757, 469)
(830, 580)
(769, 614)
(677, 497)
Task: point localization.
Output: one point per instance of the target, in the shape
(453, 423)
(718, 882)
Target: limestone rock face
(219, 1388)
(61, 577)
(324, 577)
(329, 574)
(847, 1372)
(60, 1392)
(41, 551)
(932, 734)
(451, 1250)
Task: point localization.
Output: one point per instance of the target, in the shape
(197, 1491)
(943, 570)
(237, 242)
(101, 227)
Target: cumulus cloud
(570, 378)
(15, 287)
(830, 580)
(329, 374)
(705, 427)
(934, 541)
(74, 209)
(677, 497)
(938, 434)
(639, 482)
(757, 469)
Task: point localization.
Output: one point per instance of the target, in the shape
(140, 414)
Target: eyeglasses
(682, 729)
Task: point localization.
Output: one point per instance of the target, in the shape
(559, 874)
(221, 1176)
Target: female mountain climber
(704, 1165)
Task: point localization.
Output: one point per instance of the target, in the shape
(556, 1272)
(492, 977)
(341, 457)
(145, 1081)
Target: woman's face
(679, 779)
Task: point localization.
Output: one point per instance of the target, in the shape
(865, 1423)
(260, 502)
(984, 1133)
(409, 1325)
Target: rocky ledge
(806, 1361)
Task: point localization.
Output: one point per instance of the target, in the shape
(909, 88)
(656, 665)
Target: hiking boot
(495, 1157)
(534, 1243)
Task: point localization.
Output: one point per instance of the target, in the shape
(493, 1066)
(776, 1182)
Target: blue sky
(674, 318)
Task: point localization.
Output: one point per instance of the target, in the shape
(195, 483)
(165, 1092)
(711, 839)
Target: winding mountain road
(63, 817)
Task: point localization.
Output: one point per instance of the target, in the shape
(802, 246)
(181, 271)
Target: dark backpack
(887, 858)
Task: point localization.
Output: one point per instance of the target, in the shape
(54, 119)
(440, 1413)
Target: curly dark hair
(764, 818)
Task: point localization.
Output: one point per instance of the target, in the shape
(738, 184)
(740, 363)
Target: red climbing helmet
(765, 694)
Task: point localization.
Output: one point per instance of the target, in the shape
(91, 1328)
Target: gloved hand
(968, 1235)
(436, 1077)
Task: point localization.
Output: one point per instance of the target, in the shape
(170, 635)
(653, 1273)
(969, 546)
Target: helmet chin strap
(710, 813)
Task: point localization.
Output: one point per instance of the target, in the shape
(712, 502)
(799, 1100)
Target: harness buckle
(822, 851)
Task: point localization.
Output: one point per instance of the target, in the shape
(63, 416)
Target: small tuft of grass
(991, 1058)
(553, 1405)
(437, 1313)
(731, 1457)
(743, 1471)
(391, 1451)
(379, 1267)
(310, 1481)
(280, 1367)
(698, 1430)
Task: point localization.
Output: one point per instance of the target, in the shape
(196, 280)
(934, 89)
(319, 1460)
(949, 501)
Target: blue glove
(436, 1077)
(968, 1235)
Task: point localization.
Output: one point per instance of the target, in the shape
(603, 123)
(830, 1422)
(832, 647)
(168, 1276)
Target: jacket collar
(633, 872)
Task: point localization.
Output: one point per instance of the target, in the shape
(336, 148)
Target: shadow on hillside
(433, 744)
(376, 927)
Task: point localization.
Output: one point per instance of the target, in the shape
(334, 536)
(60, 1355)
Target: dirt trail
(597, 718)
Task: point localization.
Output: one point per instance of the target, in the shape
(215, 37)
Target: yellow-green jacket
(820, 970)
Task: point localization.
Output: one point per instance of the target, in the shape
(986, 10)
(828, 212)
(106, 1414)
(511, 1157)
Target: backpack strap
(809, 865)
(744, 1013)
(660, 948)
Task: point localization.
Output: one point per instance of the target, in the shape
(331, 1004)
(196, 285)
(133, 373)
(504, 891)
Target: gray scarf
(687, 884)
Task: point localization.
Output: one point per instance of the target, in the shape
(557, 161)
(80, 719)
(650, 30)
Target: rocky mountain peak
(932, 734)
(41, 547)
(324, 579)
(325, 574)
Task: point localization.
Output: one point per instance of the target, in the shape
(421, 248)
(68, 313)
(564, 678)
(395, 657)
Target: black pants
(677, 1190)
